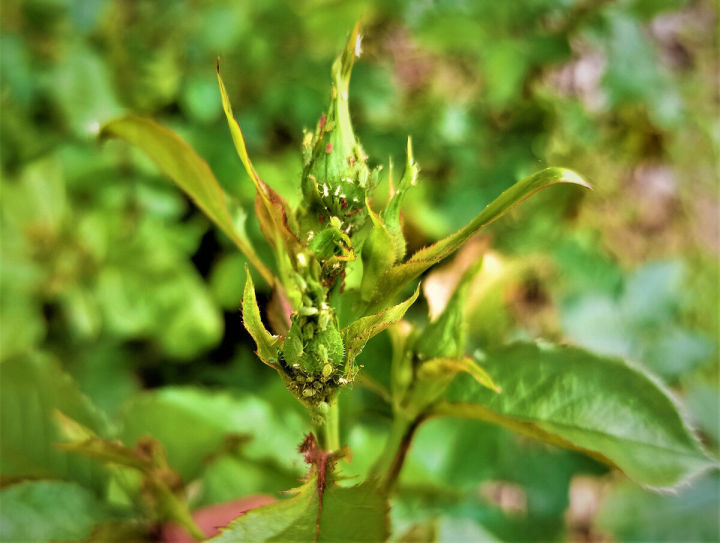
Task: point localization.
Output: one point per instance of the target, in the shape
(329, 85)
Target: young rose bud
(336, 177)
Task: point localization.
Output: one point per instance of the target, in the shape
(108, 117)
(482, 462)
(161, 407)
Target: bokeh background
(109, 273)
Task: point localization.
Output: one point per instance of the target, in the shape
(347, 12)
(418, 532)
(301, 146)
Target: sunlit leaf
(397, 277)
(599, 405)
(438, 369)
(176, 159)
(273, 212)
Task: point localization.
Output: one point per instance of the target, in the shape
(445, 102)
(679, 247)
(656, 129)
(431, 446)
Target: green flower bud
(336, 178)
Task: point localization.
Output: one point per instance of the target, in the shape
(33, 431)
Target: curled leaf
(445, 336)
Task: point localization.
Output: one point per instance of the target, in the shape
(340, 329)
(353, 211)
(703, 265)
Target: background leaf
(45, 511)
(32, 388)
(194, 425)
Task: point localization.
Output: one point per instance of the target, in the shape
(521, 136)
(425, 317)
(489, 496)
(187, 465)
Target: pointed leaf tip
(401, 274)
(268, 346)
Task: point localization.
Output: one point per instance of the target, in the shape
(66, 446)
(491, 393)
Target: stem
(177, 510)
(389, 464)
(326, 426)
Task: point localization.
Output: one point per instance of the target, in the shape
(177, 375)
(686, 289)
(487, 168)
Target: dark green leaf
(602, 406)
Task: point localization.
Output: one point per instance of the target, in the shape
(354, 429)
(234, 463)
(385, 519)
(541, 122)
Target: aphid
(323, 321)
(308, 392)
(308, 311)
(322, 353)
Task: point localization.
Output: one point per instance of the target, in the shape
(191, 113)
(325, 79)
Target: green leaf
(358, 333)
(397, 277)
(45, 511)
(432, 379)
(268, 345)
(443, 368)
(31, 390)
(343, 515)
(391, 215)
(446, 335)
(378, 253)
(273, 212)
(602, 406)
(176, 159)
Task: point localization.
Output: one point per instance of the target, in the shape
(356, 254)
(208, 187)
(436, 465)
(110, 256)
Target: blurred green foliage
(111, 275)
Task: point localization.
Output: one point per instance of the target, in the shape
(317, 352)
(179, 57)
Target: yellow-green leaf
(273, 212)
(357, 334)
(268, 345)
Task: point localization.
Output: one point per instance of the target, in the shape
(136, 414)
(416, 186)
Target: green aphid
(322, 353)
